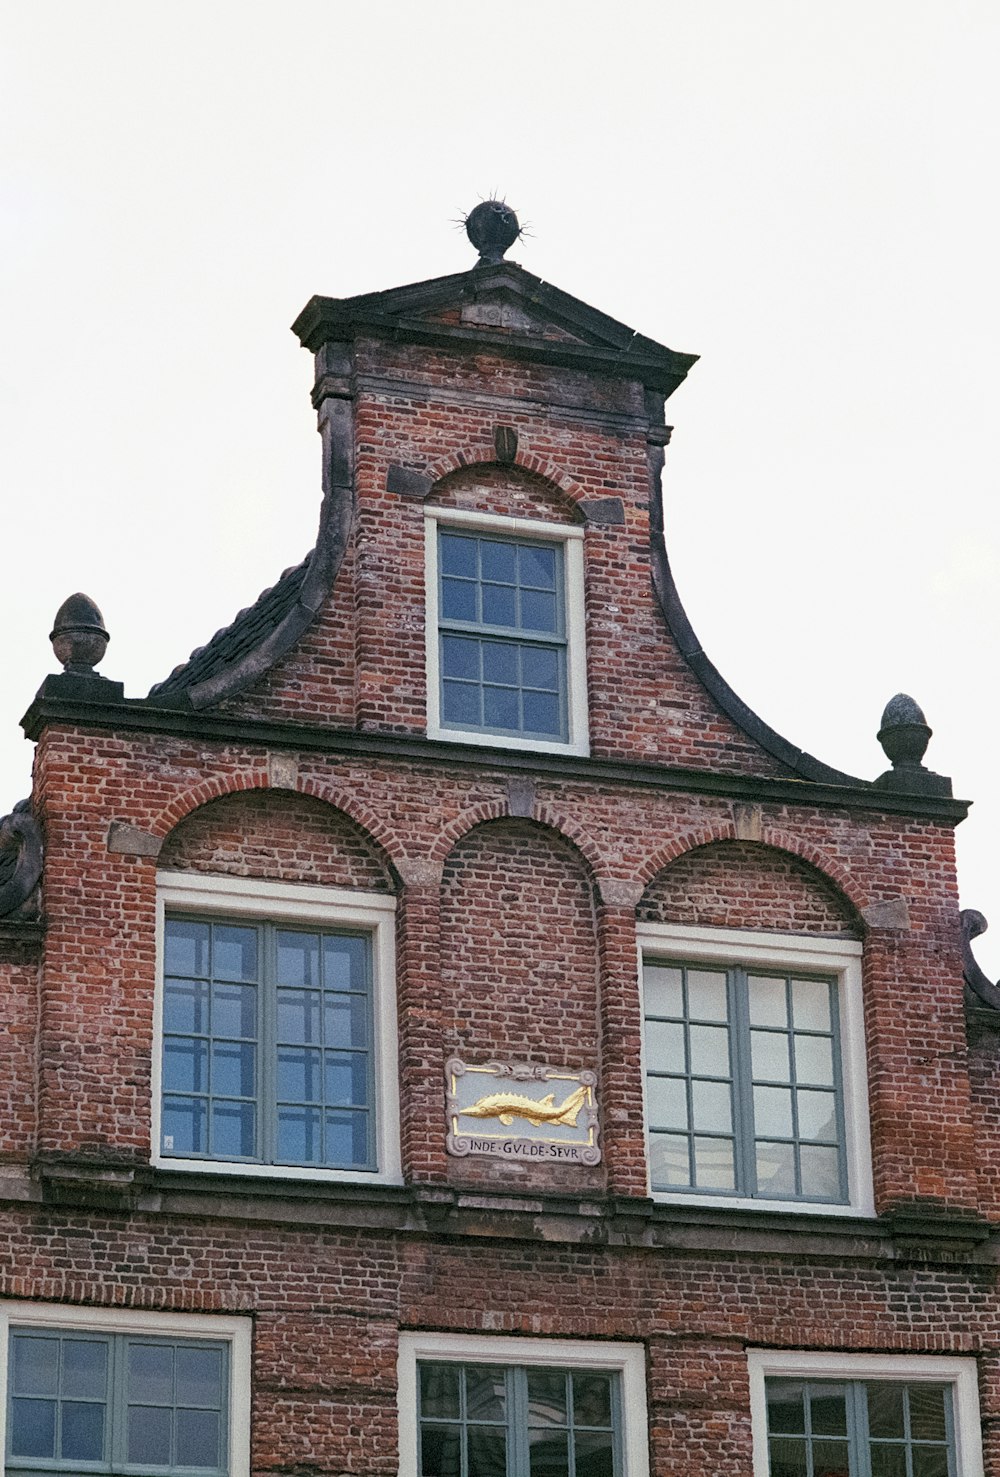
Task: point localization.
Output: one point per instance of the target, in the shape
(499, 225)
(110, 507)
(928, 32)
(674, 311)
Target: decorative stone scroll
(521, 1112)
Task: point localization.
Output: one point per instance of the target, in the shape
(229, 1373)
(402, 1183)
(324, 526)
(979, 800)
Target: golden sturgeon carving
(510, 1105)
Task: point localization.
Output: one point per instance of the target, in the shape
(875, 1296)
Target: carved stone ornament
(522, 1112)
(981, 987)
(20, 857)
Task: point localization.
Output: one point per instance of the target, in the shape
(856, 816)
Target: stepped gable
(250, 629)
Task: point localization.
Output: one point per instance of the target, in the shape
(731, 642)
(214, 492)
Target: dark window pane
(35, 1365)
(32, 1428)
(300, 1078)
(500, 663)
(458, 600)
(499, 605)
(233, 1130)
(485, 1392)
(595, 1454)
(151, 1373)
(458, 555)
(185, 1065)
(233, 1069)
(831, 1459)
(500, 707)
(537, 566)
(198, 1433)
(888, 1460)
(885, 1409)
(440, 1451)
(547, 1397)
(498, 561)
(299, 1136)
(347, 1137)
(234, 952)
(540, 667)
(542, 713)
(460, 657)
(538, 611)
(298, 1016)
(785, 1407)
(345, 1020)
(82, 1431)
(549, 1453)
(185, 1006)
(149, 1435)
(927, 1412)
(85, 1369)
(829, 1410)
(930, 1461)
(439, 1390)
(345, 961)
(298, 959)
(591, 1400)
(487, 1451)
(460, 703)
(185, 1126)
(234, 1010)
(186, 948)
(199, 1377)
(788, 1458)
(346, 1079)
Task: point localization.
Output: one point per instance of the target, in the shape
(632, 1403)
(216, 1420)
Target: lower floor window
(884, 1428)
(482, 1420)
(100, 1402)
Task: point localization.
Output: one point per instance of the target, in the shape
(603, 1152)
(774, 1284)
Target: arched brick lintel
(855, 894)
(543, 816)
(382, 840)
(538, 467)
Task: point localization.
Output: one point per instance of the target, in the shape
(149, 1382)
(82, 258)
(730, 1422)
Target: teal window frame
(118, 1401)
(742, 1082)
(517, 1421)
(815, 1443)
(516, 637)
(265, 1101)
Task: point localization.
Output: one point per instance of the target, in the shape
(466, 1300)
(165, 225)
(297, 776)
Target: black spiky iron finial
(492, 227)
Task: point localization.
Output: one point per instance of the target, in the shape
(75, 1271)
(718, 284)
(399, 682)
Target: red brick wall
(18, 1048)
(739, 884)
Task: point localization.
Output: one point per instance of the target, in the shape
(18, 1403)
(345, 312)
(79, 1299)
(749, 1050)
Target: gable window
(754, 1071)
(472, 1405)
(276, 1029)
(110, 1392)
(505, 652)
(863, 1416)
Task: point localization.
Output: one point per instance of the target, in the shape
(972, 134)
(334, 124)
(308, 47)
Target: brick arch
(382, 839)
(485, 455)
(499, 810)
(855, 895)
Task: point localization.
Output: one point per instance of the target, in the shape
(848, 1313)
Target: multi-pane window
(502, 635)
(85, 1401)
(744, 1084)
(267, 1044)
(877, 1428)
(483, 1420)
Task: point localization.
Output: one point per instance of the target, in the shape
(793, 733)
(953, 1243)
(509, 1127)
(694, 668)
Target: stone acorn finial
(78, 637)
(904, 734)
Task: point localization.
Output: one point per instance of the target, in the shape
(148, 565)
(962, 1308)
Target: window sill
(578, 749)
(725, 1203)
(300, 1172)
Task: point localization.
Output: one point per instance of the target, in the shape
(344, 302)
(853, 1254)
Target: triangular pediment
(500, 304)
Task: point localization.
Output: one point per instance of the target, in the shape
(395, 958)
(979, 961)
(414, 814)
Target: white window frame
(251, 898)
(628, 1361)
(570, 538)
(787, 952)
(960, 1373)
(133, 1322)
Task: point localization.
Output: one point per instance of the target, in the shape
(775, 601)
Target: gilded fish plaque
(513, 1110)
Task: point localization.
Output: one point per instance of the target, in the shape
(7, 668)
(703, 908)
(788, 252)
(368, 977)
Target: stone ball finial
(492, 227)
(78, 637)
(904, 734)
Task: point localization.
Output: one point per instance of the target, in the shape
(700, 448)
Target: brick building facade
(445, 1030)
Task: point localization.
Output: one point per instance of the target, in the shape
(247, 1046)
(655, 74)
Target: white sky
(804, 192)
